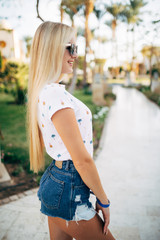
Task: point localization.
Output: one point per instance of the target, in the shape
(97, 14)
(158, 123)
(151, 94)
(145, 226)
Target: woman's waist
(63, 165)
(65, 171)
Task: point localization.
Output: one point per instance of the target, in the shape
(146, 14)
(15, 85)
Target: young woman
(60, 123)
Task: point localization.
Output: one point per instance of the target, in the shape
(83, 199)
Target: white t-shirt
(52, 98)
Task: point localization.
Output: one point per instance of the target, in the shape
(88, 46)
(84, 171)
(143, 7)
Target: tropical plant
(14, 79)
(71, 8)
(150, 49)
(115, 9)
(150, 52)
(131, 14)
(99, 12)
(89, 4)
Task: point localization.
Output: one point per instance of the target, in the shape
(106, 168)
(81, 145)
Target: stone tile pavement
(21, 219)
(128, 162)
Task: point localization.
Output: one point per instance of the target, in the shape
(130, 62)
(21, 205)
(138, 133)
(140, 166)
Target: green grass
(153, 96)
(12, 124)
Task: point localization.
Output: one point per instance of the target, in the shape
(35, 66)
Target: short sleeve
(57, 99)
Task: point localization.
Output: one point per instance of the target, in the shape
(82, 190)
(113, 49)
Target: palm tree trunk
(127, 46)
(133, 43)
(150, 67)
(74, 78)
(113, 58)
(116, 56)
(89, 8)
(62, 13)
(127, 55)
(86, 48)
(114, 46)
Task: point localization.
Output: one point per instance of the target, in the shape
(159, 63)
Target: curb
(18, 196)
(101, 142)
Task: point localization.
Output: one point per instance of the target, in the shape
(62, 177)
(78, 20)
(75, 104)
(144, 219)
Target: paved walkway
(129, 166)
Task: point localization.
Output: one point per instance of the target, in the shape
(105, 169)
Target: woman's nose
(75, 55)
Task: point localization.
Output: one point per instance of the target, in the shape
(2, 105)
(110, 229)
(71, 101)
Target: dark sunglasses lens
(72, 49)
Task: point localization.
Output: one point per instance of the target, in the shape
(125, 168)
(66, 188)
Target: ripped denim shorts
(63, 193)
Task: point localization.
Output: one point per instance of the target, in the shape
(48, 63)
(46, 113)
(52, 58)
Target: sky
(49, 10)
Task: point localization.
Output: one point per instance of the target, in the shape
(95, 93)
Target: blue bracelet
(103, 205)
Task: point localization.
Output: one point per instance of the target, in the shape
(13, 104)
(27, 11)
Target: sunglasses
(72, 48)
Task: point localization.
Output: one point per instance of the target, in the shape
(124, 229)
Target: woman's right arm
(67, 127)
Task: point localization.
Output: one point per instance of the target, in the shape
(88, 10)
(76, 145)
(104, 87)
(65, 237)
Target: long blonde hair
(46, 57)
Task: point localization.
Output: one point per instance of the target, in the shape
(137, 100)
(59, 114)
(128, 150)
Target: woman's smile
(71, 62)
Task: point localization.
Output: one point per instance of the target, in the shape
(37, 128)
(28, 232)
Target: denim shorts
(63, 193)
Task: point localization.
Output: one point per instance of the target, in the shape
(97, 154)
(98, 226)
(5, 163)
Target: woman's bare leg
(55, 232)
(82, 230)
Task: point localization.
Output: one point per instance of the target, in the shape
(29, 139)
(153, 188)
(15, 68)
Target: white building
(10, 45)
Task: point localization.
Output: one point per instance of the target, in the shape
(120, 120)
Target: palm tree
(99, 15)
(131, 13)
(115, 9)
(149, 52)
(70, 7)
(89, 5)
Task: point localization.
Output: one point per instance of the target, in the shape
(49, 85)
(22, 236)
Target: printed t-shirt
(52, 98)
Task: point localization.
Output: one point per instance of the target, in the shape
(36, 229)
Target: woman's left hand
(106, 216)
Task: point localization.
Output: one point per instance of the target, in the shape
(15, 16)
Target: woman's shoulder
(54, 93)
(53, 89)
